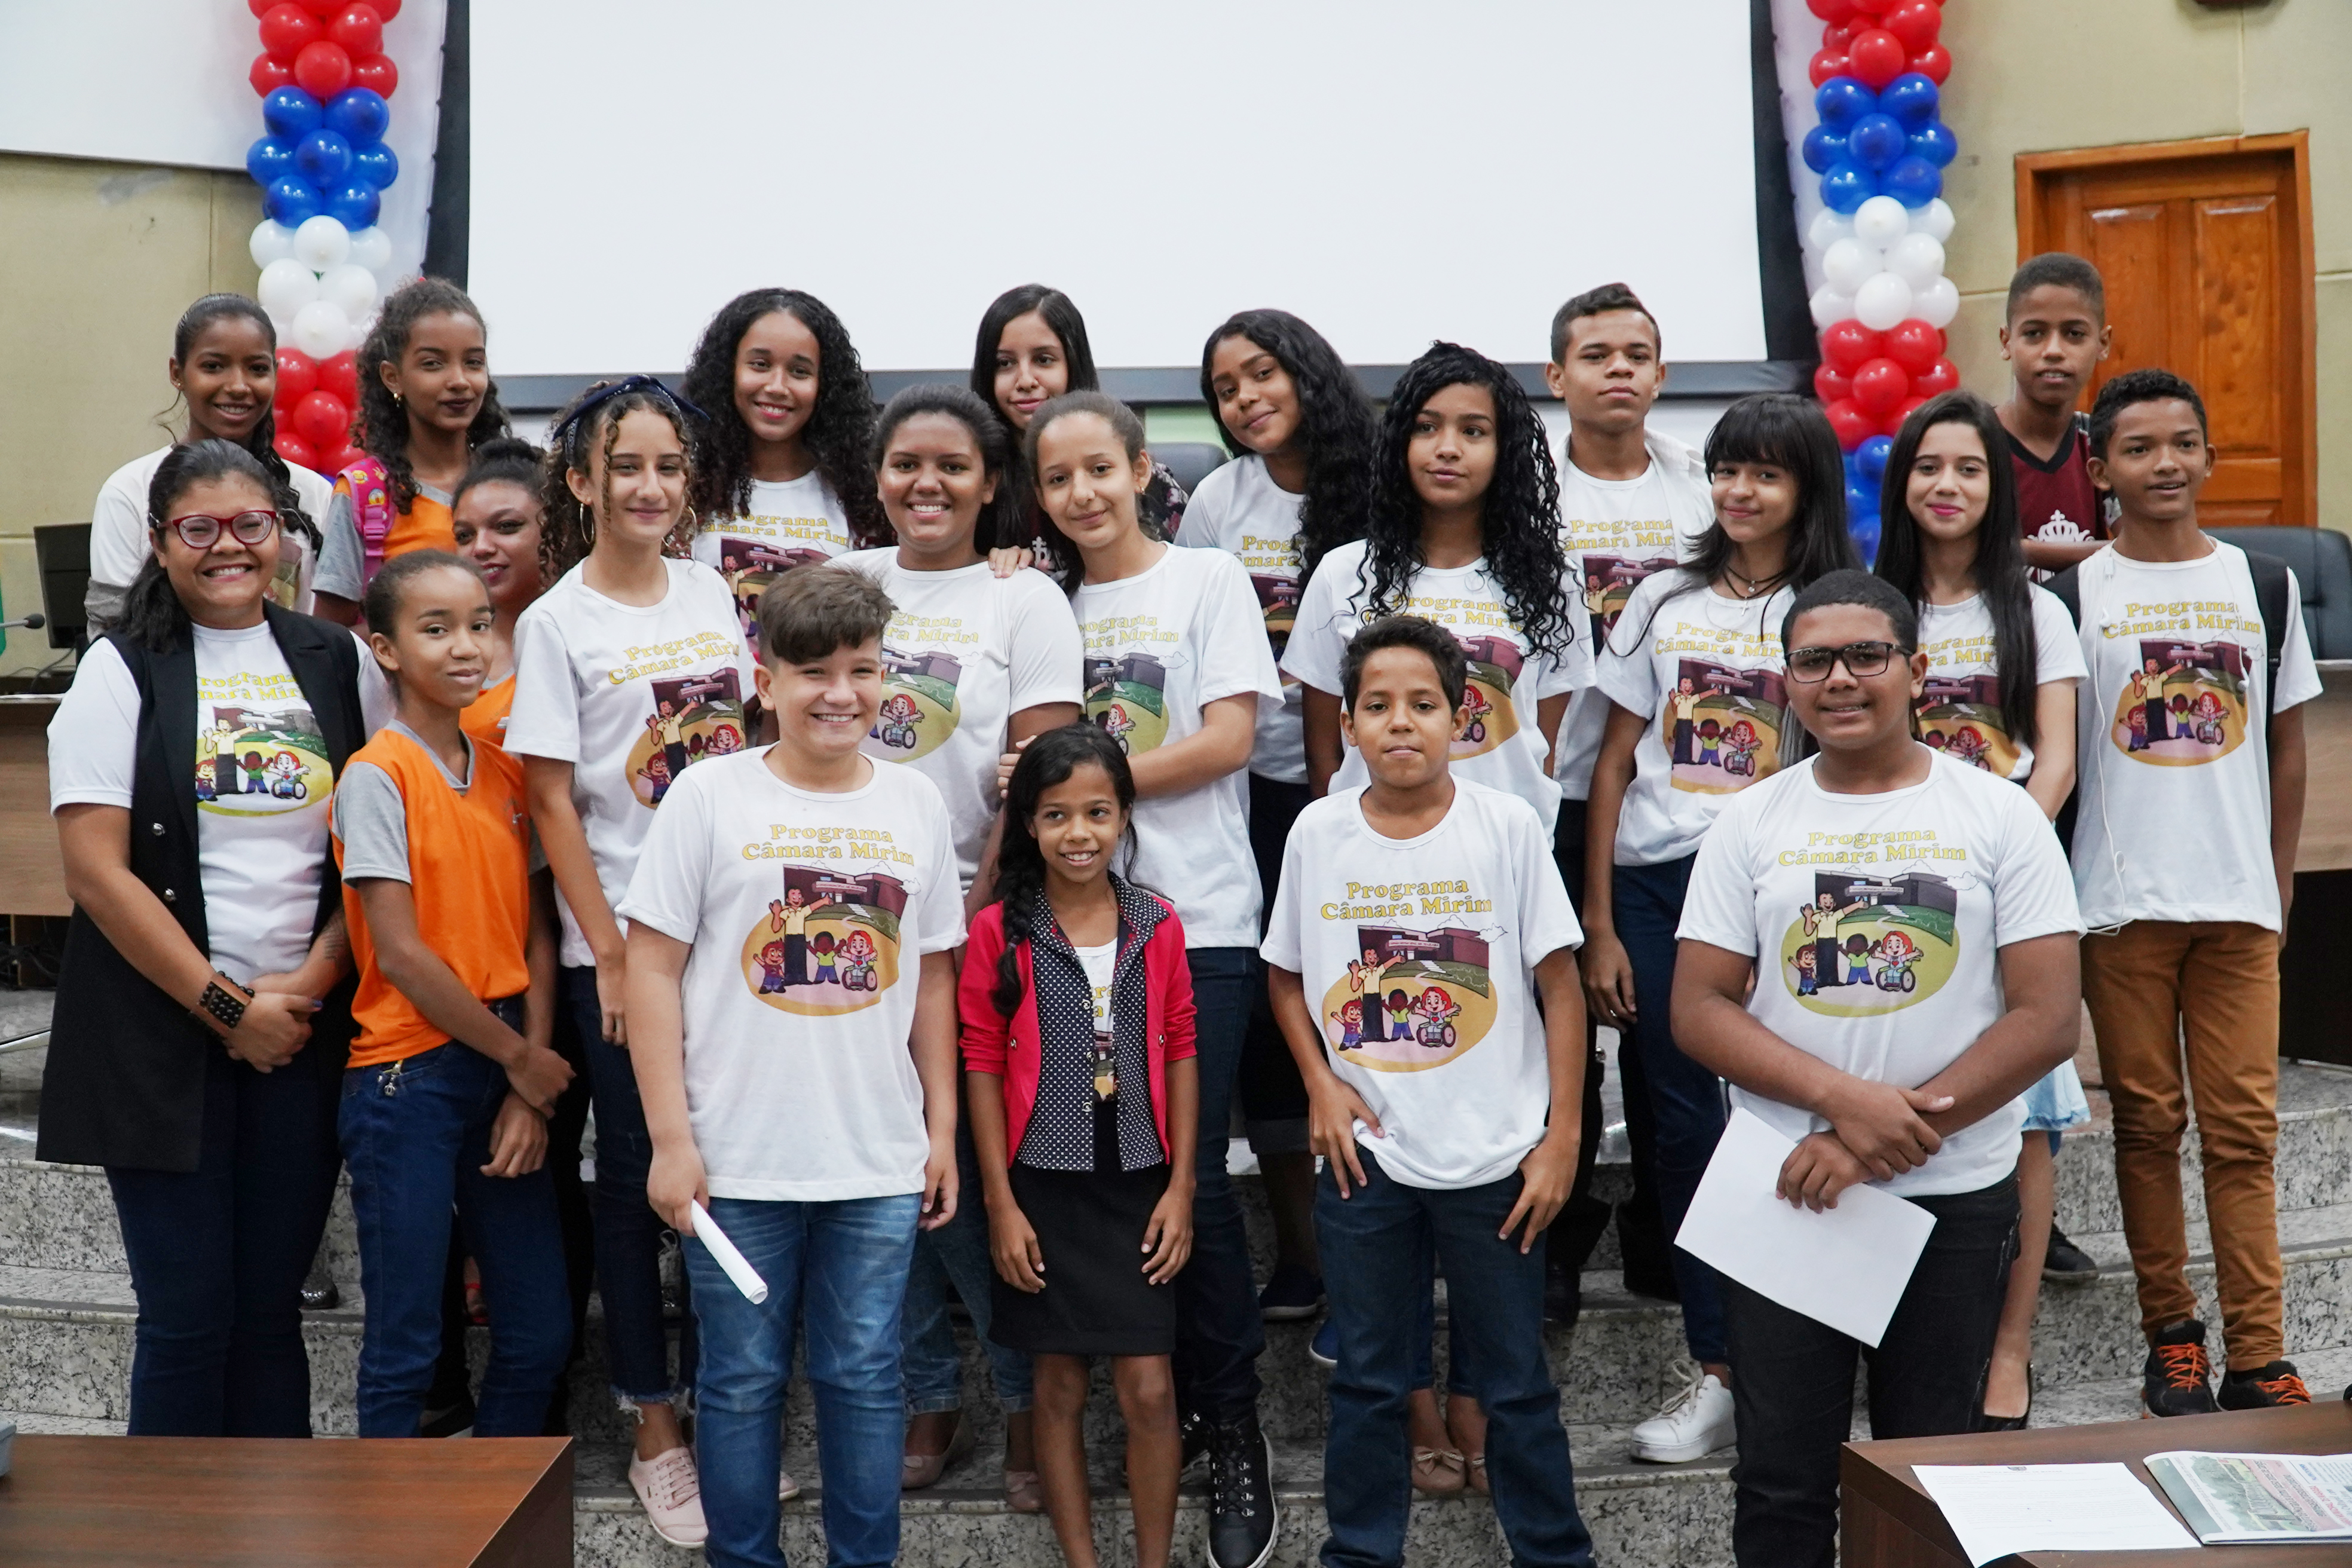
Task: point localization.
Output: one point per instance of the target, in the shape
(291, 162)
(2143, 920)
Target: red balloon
(1866, 11)
(324, 9)
(385, 10)
(296, 450)
(340, 376)
(345, 459)
(287, 27)
(1894, 423)
(1831, 11)
(322, 69)
(1934, 64)
(1878, 58)
(377, 74)
(323, 420)
(361, 31)
(297, 377)
(260, 8)
(1915, 22)
(1936, 379)
(1837, 37)
(1914, 344)
(1852, 425)
(1831, 384)
(1880, 385)
(269, 74)
(1827, 64)
(1849, 345)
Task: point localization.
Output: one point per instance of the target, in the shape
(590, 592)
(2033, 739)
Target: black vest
(125, 1079)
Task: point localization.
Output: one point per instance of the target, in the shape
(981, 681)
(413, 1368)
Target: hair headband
(561, 437)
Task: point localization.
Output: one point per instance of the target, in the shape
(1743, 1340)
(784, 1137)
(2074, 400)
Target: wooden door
(2206, 252)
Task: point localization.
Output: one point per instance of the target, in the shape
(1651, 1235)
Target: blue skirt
(2056, 1103)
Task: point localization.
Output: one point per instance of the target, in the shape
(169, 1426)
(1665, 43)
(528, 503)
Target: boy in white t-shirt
(2192, 716)
(1440, 1132)
(1948, 890)
(855, 1054)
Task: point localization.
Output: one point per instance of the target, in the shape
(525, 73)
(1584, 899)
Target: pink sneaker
(670, 1487)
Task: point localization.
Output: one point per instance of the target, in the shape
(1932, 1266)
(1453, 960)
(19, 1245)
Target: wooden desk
(32, 872)
(503, 1502)
(1889, 1522)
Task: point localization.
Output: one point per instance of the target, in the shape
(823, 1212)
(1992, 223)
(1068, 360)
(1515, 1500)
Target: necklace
(1754, 584)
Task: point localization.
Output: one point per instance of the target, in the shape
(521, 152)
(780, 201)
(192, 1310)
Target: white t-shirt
(263, 781)
(1867, 908)
(1241, 511)
(1704, 673)
(1959, 714)
(798, 1078)
(1616, 533)
(2174, 817)
(119, 542)
(630, 695)
(1160, 647)
(1504, 747)
(966, 650)
(792, 523)
(1454, 923)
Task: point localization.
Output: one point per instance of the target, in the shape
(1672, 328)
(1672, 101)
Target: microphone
(31, 622)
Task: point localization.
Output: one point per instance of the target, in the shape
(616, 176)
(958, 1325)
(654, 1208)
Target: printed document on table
(1996, 1510)
(2244, 1499)
(1845, 1267)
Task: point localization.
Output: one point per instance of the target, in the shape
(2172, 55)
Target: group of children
(1306, 790)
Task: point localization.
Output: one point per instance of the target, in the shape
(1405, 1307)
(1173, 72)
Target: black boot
(1242, 1522)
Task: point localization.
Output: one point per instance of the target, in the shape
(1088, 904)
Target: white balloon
(1849, 263)
(272, 241)
(286, 286)
(351, 288)
(1935, 220)
(371, 248)
(1916, 258)
(322, 242)
(1829, 227)
(321, 330)
(1938, 303)
(1830, 307)
(1882, 301)
(1881, 221)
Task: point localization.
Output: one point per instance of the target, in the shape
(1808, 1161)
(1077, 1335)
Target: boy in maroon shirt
(2056, 333)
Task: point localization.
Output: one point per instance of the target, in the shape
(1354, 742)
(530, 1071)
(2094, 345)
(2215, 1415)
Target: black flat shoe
(321, 1297)
(2064, 1263)
(2008, 1422)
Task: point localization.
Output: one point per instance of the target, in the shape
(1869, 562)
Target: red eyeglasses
(201, 531)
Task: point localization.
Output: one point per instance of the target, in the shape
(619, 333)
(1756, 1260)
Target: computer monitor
(62, 551)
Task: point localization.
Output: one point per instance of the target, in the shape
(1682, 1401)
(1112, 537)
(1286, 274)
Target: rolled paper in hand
(746, 1278)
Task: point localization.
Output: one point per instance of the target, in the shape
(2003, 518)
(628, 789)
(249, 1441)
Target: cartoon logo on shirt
(1412, 1000)
(918, 705)
(2184, 705)
(254, 761)
(1494, 666)
(1959, 715)
(1608, 584)
(750, 565)
(1126, 695)
(1721, 726)
(1277, 600)
(828, 943)
(694, 717)
(1872, 942)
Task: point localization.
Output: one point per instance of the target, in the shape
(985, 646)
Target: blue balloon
(324, 159)
(292, 201)
(1877, 141)
(1911, 98)
(1846, 187)
(1823, 149)
(354, 205)
(359, 116)
(1871, 459)
(1934, 143)
(375, 164)
(1841, 101)
(1861, 500)
(270, 159)
(1864, 532)
(1913, 181)
(291, 113)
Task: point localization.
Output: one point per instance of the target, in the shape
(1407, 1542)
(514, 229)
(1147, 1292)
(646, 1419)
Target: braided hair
(590, 424)
(261, 441)
(1049, 760)
(382, 430)
(1336, 428)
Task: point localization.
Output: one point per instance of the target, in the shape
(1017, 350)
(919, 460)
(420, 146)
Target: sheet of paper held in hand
(1845, 1267)
(2234, 1498)
(1996, 1510)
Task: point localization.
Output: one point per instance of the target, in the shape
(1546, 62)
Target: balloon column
(1880, 148)
(322, 167)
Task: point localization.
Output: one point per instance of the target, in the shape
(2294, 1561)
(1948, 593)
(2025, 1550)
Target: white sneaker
(670, 1487)
(1694, 1424)
(787, 1489)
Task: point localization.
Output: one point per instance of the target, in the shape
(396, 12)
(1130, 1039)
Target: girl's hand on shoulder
(1167, 1239)
(276, 1025)
(1004, 766)
(1013, 1245)
(675, 1183)
(517, 1139)
(1333, 1109)
(1005, 560)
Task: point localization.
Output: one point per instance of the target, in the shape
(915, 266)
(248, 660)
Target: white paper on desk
(1995, 1510)
(1845, 1267)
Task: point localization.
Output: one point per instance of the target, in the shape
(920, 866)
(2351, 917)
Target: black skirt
(1096, 1299)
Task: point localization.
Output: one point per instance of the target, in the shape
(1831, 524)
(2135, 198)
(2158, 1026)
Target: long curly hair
(1335, 427)
(382, 428)
(1519, 515)
(262, 439)
(1049, 760)
(567, 530)
(840, 429)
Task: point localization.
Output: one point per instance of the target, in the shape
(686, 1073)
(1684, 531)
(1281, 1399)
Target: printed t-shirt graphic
(1959, 711)
(1418, 997)
(693, 716)
(1241, 511)
(258, 750)
(793, 522)
(828, 943)
(2186, 703)
(1872, 941)
(1722, 725)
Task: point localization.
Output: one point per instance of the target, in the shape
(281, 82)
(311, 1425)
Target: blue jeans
(1219, 1334)
(217, 1253)
(1673, 1107)
(628, 1231)
(846, 1263)
(416, 1133)
(955, 1257)
(1374, 1242)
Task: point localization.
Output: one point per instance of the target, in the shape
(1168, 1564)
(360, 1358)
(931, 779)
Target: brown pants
(2217, 982)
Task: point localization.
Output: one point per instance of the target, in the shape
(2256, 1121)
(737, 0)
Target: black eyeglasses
(1862, 659)
(201, 531)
